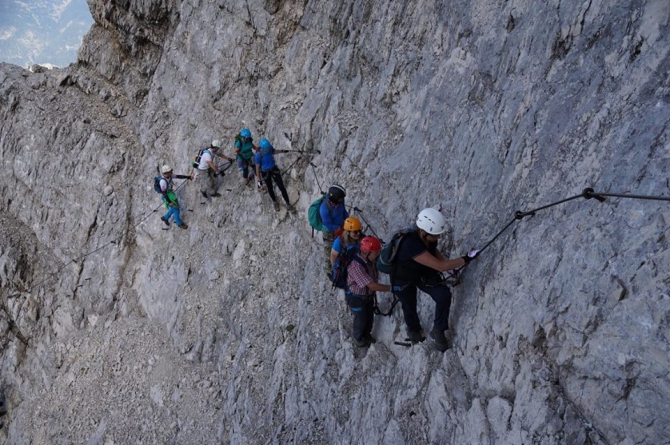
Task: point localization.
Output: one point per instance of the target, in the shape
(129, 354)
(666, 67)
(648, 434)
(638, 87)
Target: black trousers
(364, 314)
(440, 294)
(275, 175)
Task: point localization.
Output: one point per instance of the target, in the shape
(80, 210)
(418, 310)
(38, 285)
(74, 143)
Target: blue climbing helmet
(265, 145)
(245, 133)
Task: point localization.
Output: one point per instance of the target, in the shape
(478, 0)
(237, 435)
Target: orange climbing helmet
(352, 224)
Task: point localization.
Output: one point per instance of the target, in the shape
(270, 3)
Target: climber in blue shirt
(267, 172)
(333, 213)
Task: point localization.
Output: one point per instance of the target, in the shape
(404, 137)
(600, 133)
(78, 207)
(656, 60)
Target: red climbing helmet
(370, 244)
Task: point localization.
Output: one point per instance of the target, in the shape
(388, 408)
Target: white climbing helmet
(166, 169)
(431, 221)
(216, 143)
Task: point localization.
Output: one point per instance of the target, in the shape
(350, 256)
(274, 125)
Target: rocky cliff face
(115, 331)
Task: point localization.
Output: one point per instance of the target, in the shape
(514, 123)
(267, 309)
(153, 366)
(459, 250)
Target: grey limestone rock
(113, 330)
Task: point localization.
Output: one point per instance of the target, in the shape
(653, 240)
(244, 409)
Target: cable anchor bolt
(588, 193)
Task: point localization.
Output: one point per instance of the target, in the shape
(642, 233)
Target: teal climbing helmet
(265, 144)
(245, 133)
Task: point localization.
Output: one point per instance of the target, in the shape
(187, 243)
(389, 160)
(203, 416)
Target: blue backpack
(339, 274)
(157, 184)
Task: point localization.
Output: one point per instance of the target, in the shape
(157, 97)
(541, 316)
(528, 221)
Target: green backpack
(314, 215)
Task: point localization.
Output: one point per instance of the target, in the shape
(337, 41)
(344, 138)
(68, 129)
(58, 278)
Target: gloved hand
(472, 254)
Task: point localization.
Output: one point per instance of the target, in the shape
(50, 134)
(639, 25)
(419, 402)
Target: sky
(42, 31)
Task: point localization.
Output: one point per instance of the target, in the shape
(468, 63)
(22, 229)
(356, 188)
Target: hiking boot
(362, 343)
(183, 226)
(441, 343)
(167, 223)
(276, 205)
(204, 194)
(215, 195)
(369, 338)
(415, 337)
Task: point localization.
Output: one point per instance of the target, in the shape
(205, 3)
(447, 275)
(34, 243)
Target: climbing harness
(452, 279)
(388, 313)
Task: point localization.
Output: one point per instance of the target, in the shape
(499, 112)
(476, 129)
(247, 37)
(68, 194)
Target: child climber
(170, 197)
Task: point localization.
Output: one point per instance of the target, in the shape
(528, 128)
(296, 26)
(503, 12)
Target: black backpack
(388, 256)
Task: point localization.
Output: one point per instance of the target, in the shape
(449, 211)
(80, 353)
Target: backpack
(342, 264)
(157, 184)
(387, 258)
(314, 215)
(196, 158)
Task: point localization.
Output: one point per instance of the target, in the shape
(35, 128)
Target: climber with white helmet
(244, 151)
(267, 171)
(164, 185)
(419, 264)
(207, 170)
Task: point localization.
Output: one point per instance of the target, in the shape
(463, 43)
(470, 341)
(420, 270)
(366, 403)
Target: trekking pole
(316, 177)
(292, 164)
(230, 164)
(360, 213)
(302, 151)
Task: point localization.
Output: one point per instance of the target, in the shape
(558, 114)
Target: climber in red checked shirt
(362, 286)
